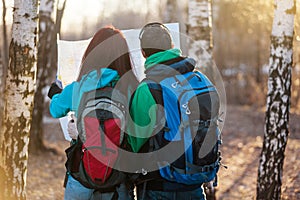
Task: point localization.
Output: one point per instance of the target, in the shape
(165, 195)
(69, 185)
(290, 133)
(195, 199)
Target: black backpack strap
(115, 196)
(153, 85)
(205, 168)
(155, 89)
(186, 80)
(157, 95)
(153, 144)
(102, 135)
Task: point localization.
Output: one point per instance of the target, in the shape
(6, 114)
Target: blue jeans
(197, 194)
(76, 191)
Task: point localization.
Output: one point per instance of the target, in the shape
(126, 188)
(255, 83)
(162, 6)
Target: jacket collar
(160, 71)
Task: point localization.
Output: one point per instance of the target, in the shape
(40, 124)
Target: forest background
(241, 49)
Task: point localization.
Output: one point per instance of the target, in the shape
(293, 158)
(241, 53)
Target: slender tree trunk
(59, 16)
(200, 47)
(278, 101)
(4, 35)
(19, 94)
(258, 73)
(200, 32)
(4, 56)
(170, 13)
(46, 29)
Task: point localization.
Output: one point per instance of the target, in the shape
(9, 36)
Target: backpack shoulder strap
(152, 84)
(155, 89)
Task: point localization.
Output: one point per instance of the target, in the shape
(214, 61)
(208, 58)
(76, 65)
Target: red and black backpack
(101, 124)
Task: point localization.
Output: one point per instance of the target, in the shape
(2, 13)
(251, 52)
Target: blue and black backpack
(191, 111)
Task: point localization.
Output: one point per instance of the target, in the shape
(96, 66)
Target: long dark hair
(107, 49)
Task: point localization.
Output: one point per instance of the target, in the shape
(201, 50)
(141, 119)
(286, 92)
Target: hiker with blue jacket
(149, 131)
(106, 62)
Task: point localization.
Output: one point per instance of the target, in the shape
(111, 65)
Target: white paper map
(69, 58)
(71, 52)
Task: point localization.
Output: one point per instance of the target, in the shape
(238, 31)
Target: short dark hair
(155, 37)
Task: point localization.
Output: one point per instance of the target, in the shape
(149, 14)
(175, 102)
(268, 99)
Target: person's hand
(72, 128)
(59, 83)
(54, 89)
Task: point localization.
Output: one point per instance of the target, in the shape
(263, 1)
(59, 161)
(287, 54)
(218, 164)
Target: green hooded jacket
(143, 108)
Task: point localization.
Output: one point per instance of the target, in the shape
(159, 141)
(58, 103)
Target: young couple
(107, 57)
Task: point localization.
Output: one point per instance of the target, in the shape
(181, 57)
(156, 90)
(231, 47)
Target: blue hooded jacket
(69, 99)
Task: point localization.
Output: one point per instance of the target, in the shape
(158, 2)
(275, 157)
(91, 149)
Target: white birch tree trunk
(278, 101)
(44, 70)
(200, 48)
(200, 33)
(19, 92)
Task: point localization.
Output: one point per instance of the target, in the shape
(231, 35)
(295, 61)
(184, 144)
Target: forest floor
(242, 141)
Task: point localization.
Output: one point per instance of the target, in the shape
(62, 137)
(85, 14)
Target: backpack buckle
(144, 172)
(175, 84)
(187, 110)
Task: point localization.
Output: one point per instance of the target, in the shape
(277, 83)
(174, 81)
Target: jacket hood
(92, 81)
(98, 79)
(160, 71)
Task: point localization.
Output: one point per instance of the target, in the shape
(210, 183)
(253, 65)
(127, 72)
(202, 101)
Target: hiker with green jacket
(162, 60)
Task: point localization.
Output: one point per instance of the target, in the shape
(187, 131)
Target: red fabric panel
(97, 163)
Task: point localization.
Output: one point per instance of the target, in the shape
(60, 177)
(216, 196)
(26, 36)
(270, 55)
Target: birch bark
(19, 93)
(200, 33)
(278, 101)
(44, 70)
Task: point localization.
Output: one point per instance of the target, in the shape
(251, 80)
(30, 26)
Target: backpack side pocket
(74, 154)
